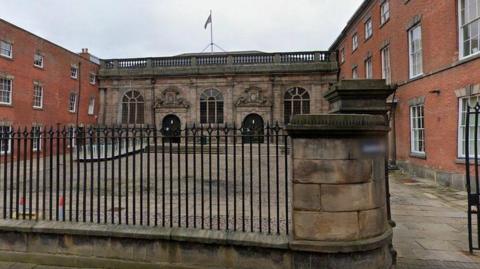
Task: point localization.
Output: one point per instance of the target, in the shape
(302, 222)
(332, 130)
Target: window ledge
(418, 155)
(6, 57)
(383, 24)
(463, 161)
(469, 58)
(38, 108)
(368, 38)
(6, 105)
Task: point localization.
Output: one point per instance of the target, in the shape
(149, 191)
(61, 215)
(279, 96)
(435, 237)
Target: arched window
(133, 108)
(296, 101)
(211, 106)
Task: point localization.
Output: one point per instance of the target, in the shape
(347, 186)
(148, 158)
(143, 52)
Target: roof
(351, 22)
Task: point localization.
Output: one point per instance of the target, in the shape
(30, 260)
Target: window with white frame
(368, 29)
(417, 129)
(342, 55)
(368, 68)
(384, 11)
(91, 106)
(92, 78)
(386, 71)
(5, 139)
(6, 49)
(355, 42)
(37, 96)
(469, 27)
(355, 73)
(36, 138)
(38, 60)
(72, 103)
(74, 72)
(415, 51)
(5, 91)
(462, 126)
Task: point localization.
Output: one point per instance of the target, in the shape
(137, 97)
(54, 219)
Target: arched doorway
(171, 128)
(252, 129)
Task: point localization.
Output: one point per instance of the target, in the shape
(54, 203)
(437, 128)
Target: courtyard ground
(431, 225)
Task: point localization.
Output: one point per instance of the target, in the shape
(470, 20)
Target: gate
(170, 127)
(470, 133)
(252, 129)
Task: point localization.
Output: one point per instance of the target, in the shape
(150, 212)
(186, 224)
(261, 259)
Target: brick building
(43, 84)
(430, 49)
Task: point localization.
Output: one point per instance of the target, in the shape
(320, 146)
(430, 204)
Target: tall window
(368, 29)
(368, 68)
(296, 101)
(342, 55)
(74, 72)
(133, 108)
(469, 27)
(91, 106)
(355, 73)
(415, 51)
(462, 126)
(92, 78)
(37, 96)
(5, 139)
(5, 91)
(36, 138)
(417, 129)
(72, 103)
(211, 106)
(6, 49)
(355, 41)
(384, 12)
(38, 60)
(386, 71)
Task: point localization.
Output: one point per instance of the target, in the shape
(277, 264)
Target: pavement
(431, 225)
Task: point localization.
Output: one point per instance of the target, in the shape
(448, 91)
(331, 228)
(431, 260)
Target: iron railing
(203, 177)
(471, 151)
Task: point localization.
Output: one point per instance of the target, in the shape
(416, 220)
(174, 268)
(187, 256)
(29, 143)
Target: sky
(149, 28)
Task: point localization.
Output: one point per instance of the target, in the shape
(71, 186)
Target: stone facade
(247, 88)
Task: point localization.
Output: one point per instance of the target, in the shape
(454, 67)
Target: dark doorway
(171, 129)
(252, 129)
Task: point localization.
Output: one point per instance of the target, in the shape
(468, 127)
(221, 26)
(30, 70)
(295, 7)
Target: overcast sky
(139, 28)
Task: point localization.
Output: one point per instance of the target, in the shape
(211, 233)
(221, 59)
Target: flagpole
(211, 31)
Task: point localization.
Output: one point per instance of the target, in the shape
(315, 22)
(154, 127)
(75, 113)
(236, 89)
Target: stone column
(339, 197)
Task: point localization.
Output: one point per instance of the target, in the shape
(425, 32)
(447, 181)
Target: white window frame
(74, 72)
(384, 12)
(9, 145)
(462, 125)
(417, 129)
(417, 54)
(10, 91)
(368, 29)
(355, 72)
(72, 102)
(368, 68)
(38, 58)
(386, 64)
(91, 106)
(92, 78)
(355, 42)
(37, 146)
(3, 50)
(36, 97)
(461, 36)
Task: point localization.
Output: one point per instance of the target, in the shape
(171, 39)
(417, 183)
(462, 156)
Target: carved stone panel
(253, 97)
(170, 98)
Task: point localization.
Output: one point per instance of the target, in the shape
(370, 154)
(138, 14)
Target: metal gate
(470, 132)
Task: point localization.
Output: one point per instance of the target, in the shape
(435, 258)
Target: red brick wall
(439, 21)
(55, 78)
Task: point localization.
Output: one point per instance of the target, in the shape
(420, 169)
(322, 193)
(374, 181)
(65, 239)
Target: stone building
(218, 88)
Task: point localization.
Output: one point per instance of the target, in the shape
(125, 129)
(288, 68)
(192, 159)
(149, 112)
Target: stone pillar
(339, 196)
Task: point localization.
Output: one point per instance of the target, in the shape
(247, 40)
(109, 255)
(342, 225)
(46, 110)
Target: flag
(209, 20)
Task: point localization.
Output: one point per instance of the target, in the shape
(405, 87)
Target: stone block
(37, 243)
(201, 254)
(372, 222)
(444, 179)
(350, 197)
(160, 251)
(332, 171)
(13, 241)
(338, 226)
(76, 245)
(325, 149)
(306, 197)
(245, 258)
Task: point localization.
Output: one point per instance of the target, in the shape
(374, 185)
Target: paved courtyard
(431, 223)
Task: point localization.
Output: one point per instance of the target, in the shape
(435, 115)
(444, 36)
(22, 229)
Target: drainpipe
(79, 91)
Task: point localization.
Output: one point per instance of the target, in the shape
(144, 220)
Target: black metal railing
(470, 127)
(203, 177)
